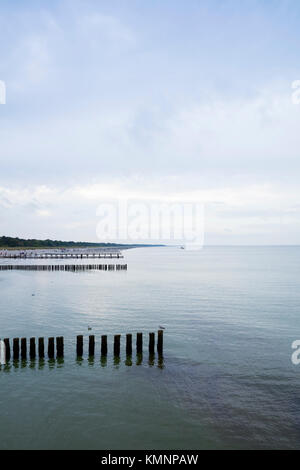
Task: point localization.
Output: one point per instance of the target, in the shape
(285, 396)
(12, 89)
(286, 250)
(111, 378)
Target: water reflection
(91, 361)
(128, 361)
(151, 360)
(103, 361)
(59, 362)
(51, 363)
(117, 361)
(160, 362)
(5, 367)
(139, 359)
(79, 360)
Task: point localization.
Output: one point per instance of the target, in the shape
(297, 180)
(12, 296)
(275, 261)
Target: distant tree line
(10, 242)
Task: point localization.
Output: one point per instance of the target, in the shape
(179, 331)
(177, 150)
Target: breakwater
(63, 267)
(54, 347)
(65, 255)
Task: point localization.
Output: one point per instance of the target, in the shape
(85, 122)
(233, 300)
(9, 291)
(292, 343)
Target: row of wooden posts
(60, 255)
(40, 350)
(65, 267)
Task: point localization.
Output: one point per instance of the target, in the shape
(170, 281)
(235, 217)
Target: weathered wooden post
(23, 348)
(16, 348)
(103, 345)
(41, 348)
(139, 343)
(51, 348)
(7, 347)
(117, 340)
(160, 341)
(128, 344)
(151, 343)
(60, 346)
(79, 348)
(32, 352)
(92, 345)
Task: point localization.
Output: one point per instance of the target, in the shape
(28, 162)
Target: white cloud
(252, 212)
(106, 104)
(43, 213)
(237, 132)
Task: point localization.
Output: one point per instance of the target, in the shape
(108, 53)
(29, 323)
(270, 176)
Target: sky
(164, 101)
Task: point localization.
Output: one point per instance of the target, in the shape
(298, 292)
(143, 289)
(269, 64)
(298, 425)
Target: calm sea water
(227, 381)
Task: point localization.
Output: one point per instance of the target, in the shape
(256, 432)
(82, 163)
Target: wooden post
(117, 339)
(151, 343)
(41, 348)
(79, 347)
(129, 344)
(92, 345)
(7, 347)
(23, 348)
(60, 346)
(51, 348)
(104, 345)
(16, 349)
(139, 343)
(32, 352)
(160, 341)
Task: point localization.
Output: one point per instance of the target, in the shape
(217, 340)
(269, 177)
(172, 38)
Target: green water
(226, 381)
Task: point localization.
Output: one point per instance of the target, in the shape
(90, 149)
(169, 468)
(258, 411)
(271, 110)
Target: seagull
(162, 327)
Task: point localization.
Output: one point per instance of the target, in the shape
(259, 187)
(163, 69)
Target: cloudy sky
(164, 100)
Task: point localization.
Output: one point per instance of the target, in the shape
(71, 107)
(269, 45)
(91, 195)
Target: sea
(226, 379)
